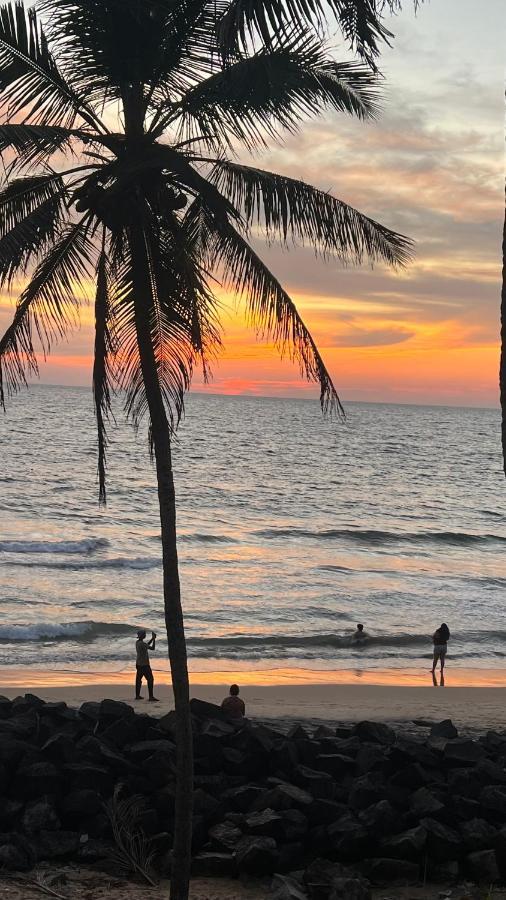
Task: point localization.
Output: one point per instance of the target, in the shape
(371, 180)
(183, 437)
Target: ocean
(291, 530)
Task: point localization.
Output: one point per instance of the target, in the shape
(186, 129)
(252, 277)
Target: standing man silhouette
(143, 667)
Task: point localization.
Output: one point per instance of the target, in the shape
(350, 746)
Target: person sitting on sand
(440, 640)
(233, 705)
(143, 668)
(359, 636)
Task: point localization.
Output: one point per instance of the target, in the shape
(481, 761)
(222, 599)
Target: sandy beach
(480, 708)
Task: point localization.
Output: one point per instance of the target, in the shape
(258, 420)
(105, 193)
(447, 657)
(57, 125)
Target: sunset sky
(431, 167)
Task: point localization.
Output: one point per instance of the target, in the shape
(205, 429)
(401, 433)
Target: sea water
(291, 530)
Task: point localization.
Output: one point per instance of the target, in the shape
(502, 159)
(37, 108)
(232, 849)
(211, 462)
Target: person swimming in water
(359, 636)
(440, 640)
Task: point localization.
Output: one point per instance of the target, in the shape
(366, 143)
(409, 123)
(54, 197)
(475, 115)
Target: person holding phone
(142, 664)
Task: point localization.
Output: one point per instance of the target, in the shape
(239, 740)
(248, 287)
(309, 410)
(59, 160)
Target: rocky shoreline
(325, 812)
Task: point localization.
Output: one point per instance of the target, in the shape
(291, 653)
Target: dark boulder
(40, 816)
(493, 802)
(477, 835)
(425, 803)
(37, 780)
(391, 871)
(326, 880)
(463, 753)
(257, 855)
(225, 836)
(56, 844)
(317, 783)
(286, 887)
(283, 796)
(349, 838)
(374, 733)
(380, 818)
(214, 865)
(443, 842)
(366, 791)
(482, 867)
(16, 853)
(445, 729)
(408, 845)
(77, 805)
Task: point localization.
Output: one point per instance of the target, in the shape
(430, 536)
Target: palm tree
(121, 119)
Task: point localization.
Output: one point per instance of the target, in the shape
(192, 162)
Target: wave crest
(87, 545)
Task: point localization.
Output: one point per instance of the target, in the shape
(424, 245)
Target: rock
(267, 822)
(10, 810)
(365, 791)
(214, 865)
(294, 825)
(336, 765)
(493, 800)
(413, 776)
(490, 772)
(369, 758)
(290, 856)
(349, 838)
(443, 872)
(442, 841)
(297, 733)
(225, 836)
(143, 750)
(380, 818)
(203, 710)
(463, 753)
(257, 855)
(12, 751)
(37, 780)
(204, 804)
(425, 803)
(243, 798)
(90, 710)
(56, 844)
(318, 784)
(88, 777)
(94, 849)
(408, 845)
(444, 729)
(58, 748)
(285, 887)
(40, 816)
(478, 835)
(482, 867)
(324, 812)
(80, 804)
(16, 854)
(283, 796)
(391, 871)
(374, 733)
(325, 879)
(5, 707)
(115, 710)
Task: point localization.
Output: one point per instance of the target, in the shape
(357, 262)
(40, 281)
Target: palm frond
(290, 209)
(101, 368)
(247, 21)
(271, 310)
(35, 144)
(134, 852)
(275, 89)
(32, 212)
(30, 81)
(47, 307)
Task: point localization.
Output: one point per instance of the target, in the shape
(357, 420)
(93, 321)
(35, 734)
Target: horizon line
(289, 397)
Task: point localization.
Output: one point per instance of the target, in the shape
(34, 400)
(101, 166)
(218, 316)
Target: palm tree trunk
(502, 370)
(160, 434)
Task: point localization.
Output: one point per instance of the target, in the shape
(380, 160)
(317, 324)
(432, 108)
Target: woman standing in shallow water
(440, 640)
